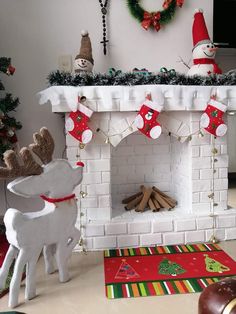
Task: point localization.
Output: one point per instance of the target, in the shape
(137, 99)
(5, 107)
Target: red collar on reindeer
(217, 70)
(57, 200)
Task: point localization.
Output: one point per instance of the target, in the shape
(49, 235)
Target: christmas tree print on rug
(126, 271)
(167, 267)
(213, 266)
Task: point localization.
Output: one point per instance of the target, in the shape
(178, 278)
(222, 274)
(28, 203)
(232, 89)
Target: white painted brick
(201, 185)
(185, 224)
(135, 178)
(136, 139)
(135, 160)
(143, 150)
(94, 214)
(139, 227)
(92, 178)
(88, 243)
(221, 205)
(98, 165)
(124, 151)
(94, 230)
(195, 125)
(224, 150)
(105, 151)
(121, 179)
(201, 207)
(196, 140)
(225, 221)
(204, 196)
(126, 170)
(206, 150)
(128, 241)
(195, 174)
(72, 153)
(224, 195)
(90, 152)
(204, 223)
(195, 151)
(173, 238)
(114, 170)
(221, 184)
(106, 177)
(196, 198)
(165, 168)
(150, 239)
(208, 174)
(223, 173)
(219, 234)
(230, 233)
(98, 189)
(159, 159)
(161, 149)
(89, 202)
(117, 161)
(195, 236)
(222, 161)
(201, 162)
(104, 242)
(104, 201)
(71, 141)
(116, 228)
(162, 226)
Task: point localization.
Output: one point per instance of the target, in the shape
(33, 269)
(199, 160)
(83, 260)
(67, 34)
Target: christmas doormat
(161, 270)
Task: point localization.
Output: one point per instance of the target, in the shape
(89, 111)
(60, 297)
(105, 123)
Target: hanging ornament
(10, 133)
(104, 13)
(154, 19)
(212, 119)
(1, 124)
(10, 70)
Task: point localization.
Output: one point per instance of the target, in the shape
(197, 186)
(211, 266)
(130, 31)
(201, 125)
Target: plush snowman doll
(204, 50)
(84, 60)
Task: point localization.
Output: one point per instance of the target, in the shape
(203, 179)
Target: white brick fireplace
(181, 169)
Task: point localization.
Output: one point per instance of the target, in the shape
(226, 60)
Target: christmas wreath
(154, 19)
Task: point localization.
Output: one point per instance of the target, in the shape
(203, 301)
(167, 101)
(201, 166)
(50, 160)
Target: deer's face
(58, 179)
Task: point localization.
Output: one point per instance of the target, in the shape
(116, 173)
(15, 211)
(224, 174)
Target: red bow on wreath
(151, 19)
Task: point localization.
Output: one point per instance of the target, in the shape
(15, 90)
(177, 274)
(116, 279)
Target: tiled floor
(84, 293)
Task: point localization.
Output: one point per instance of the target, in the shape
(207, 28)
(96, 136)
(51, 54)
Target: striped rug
(163, 270)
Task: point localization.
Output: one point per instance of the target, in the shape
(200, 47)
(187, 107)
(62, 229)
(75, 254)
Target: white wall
(34, 33)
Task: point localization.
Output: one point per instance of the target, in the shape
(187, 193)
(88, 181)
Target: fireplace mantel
(129, 98)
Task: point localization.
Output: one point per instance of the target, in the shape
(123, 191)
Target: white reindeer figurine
(53, 228)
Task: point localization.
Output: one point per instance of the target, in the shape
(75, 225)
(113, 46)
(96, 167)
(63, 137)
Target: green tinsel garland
(57, 78)
(137, 11)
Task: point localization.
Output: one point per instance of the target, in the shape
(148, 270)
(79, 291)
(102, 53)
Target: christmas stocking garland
(146, 120)
(212, 119)
(77, 124)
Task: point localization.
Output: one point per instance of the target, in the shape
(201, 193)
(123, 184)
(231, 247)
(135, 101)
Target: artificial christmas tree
(8, 124)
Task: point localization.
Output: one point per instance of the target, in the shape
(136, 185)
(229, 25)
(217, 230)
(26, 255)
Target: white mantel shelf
(129, 98)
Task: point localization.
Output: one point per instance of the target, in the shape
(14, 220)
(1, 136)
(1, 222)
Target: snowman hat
(199, 30)
(85, 47)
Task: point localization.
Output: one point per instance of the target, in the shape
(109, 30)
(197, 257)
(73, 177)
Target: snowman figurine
(84, 60)
(204, 50)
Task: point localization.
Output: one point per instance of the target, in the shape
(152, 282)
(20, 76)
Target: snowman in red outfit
(204, 50)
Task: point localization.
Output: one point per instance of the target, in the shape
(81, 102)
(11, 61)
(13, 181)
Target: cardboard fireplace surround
(116, 170)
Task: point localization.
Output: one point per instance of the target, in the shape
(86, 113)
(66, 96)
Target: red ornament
(151, 19)
(179, 3)
(10, 70)
(166, 4)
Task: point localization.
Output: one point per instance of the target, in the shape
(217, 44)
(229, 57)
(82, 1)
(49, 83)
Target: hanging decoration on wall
(212, 119)
(104, 8)
(156, 19)
(146, 120)
(204, 50)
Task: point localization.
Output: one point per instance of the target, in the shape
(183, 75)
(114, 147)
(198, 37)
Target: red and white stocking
(146, 120)
(76, 124)
(212, 119)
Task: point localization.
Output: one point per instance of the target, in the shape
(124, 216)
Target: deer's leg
(4, 270)
(61, 257)
(49, 252)
(16, 278)
(30, 289)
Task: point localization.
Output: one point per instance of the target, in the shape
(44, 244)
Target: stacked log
(149, 198)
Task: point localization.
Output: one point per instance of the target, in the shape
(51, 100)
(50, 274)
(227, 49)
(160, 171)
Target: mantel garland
(57, 78)
(154, 19)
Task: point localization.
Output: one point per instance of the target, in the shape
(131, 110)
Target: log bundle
(149, 198)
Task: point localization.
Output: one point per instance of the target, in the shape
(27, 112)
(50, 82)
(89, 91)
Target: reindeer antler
(15, 169)
(43, 145)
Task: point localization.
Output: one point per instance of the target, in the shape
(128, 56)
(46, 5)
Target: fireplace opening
(164, 163)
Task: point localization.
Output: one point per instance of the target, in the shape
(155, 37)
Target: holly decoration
(154, 19)
(8, 124)
(167, 267)
(213, 266)
(126, 271)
